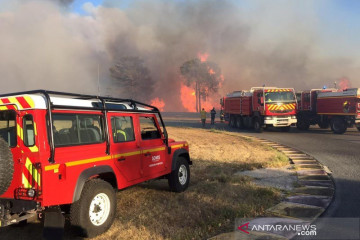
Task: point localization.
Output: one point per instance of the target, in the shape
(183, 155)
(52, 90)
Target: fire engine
(74, 151)
(261, 107)
(329, 107)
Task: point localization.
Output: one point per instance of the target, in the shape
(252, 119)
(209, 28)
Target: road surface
(340, 153)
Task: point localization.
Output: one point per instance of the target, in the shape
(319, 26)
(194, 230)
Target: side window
(8, 127)
(122, 129)
(75, 129)
(29, 130)
(148, 128)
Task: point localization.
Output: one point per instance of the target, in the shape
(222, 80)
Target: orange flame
(344, 84)
(203, 56)
(159, 103)
(188, 99)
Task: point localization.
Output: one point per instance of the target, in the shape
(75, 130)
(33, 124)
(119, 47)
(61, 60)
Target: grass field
(215, 196)
(213, 200)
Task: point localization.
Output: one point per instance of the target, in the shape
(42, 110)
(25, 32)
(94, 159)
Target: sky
(338, 19)
(291, 43)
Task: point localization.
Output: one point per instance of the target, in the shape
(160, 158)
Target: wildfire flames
(159, 103)
(188, 100)
(203, 56)
(344, 84)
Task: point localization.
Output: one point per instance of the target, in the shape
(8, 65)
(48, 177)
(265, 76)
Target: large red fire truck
(71, 152)
(260, 107)
(329, 107)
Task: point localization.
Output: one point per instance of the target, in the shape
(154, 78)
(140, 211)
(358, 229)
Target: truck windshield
(279, 97)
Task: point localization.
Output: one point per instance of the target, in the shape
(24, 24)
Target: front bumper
(280, 121)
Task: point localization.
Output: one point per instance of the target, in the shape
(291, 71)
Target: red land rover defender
(73, 151)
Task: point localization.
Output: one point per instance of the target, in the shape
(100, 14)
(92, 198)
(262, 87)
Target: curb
(306, 203)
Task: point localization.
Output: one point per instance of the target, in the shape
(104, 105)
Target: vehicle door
(152, 145)
(125, 147)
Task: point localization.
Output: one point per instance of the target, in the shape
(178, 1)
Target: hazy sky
(336, 19)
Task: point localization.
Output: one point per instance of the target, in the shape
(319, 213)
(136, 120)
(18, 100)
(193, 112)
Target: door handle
(147, 154)
(121, 159)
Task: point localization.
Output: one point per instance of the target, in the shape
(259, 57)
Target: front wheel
(257, 125)
(179, 178)
(302, 124)
(94, 213)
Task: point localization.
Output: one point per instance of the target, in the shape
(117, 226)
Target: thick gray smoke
(45, 46)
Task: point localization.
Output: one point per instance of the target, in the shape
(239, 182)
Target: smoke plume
(46, 46)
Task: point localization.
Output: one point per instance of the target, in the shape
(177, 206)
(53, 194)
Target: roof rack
(103, 107)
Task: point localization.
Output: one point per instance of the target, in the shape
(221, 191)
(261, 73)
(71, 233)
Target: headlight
(293, 117)
(268, 117)
(31, 193)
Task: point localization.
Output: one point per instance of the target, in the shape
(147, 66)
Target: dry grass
(215, 196)
(213, 200)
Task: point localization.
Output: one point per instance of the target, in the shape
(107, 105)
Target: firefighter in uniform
(213, 113)
(203, 117)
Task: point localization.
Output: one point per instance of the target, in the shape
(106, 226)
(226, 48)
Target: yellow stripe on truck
(33, 171)
(55, 167)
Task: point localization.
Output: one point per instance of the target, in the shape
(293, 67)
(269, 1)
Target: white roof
(346, 93)
(38, 101)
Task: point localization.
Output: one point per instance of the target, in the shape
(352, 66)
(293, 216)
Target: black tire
(302, 124)
(358, 127)
(285, 129)
(6, 166)
(232, 121)
(80, 210)
(179, 178)
(257, 125)
(239, 123)
(338, 125)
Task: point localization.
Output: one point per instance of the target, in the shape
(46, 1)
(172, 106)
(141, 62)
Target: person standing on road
(203, 117)
(213, 113)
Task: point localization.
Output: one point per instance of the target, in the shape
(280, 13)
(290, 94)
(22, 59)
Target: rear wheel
(94, 212)
(257, 125)
(232, 121)
(239, 123)
(338, 125)
(179, 178)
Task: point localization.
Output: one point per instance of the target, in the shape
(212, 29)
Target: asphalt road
(340, 153)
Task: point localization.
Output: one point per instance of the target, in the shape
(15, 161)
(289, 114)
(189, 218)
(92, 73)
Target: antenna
(98, 71)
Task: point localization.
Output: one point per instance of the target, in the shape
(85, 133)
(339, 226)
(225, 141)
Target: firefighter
(203, 117)
(221, 115)
(213, 113)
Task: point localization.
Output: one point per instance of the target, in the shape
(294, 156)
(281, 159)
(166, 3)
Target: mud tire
(6, 166)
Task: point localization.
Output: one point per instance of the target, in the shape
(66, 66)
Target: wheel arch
(103, 172)
(180, 153)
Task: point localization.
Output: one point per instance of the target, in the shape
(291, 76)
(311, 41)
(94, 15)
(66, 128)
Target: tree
(132, 78)
(204, 76)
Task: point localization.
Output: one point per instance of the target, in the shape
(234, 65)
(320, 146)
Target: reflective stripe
(25, 182)
(33, 171)
(106, 158)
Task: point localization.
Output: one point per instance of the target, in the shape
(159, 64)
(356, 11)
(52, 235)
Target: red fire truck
(261, 107)
(71, 152)
(329, 107)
